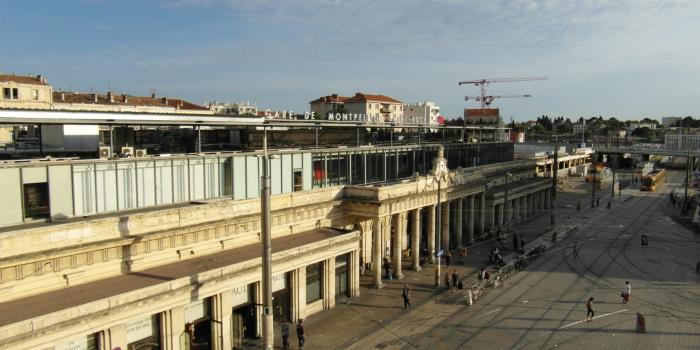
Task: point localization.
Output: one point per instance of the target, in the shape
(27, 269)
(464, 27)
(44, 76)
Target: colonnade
(519, 207)
(462, 220)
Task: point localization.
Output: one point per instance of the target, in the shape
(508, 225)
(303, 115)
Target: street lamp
(265, 213)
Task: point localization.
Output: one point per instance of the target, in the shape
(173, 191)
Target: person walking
(406, 297)
(448, 258)
(590, 313)
(522, 245)
(482, 275)
(575, 250)
(448, 279)
(300, 333)
(626, 292)
(285, 334)
(455, 280)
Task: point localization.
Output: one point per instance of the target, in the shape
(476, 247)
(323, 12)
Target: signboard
(346, 117)
(196, 310)
(279, 282)
(139, 329)
(79, 343)
(241, 295)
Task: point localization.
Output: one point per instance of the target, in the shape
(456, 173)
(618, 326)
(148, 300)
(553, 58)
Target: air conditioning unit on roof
(127, 152)
(140, 153)
(105, 152)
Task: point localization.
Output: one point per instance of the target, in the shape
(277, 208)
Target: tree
(644, 132)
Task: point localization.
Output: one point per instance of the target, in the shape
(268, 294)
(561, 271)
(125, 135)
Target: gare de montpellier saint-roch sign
(344, 117)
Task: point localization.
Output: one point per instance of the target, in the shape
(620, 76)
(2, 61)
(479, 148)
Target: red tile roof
(123, 100)
(360, 97)
(334, 98)
(22, 79)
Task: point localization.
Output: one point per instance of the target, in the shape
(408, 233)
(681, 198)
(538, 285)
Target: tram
(653, 179)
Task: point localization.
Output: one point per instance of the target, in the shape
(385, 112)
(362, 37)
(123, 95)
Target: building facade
(237, 109)
(422, 113)
(682, 142)
(24, 92)
(162, 252)
(324, 105)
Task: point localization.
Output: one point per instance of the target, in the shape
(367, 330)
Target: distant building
(633, 126)
(669, 121)
(328, 104)
(422, 113)
(24, 92)
(111, 102)
(489, 116)
(237, 109)
(682, 141)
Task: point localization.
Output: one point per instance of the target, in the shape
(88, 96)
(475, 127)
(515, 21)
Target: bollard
(641, 324)
(470, 302)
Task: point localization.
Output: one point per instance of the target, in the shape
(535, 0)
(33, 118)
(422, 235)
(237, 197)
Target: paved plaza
(544, 306)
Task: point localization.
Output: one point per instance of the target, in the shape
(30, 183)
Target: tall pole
(267, 334)
(612, 187)
(555, 171)
(438, 236)
(593, 192)
(687, 179)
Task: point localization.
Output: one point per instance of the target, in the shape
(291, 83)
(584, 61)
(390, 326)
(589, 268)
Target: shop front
(198, 325)
(342, 277)
(243, 320)
(281, 297)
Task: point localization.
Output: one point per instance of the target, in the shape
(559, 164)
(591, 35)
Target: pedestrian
(590, 313)
(522, 244)
(597, 201)
(626, 293)
(448, 258)
(387, 268)
(697, 267)
(482, 274)
(362, 267)
(575, 250)
(406, 297)
(486, 276)
(515, 243)
(448, 278)
(455, 280)
(300, 333)
(285, 334)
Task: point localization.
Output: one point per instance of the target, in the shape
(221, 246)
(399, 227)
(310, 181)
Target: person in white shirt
(626, 292)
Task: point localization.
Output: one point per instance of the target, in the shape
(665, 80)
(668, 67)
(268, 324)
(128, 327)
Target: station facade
(164, 252)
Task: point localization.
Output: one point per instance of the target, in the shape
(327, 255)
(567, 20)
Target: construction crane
(487, 100)
(481, 83)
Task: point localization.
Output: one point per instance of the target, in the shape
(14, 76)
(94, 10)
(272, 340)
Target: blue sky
(628, 59)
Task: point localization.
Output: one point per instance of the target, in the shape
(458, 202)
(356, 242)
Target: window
(7, 93)
(36, 200)
(297, 181)
(313, 282)
(35, 94)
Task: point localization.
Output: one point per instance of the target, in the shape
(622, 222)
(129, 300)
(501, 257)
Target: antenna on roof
(153, 93)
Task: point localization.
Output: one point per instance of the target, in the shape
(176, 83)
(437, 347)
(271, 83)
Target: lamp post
(267, 322)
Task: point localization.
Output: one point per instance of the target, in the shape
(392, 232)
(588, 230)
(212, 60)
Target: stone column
(445, 229)
(415, 240)
(297, 284)
(459, 223)
(354, 271)
(530, 206)
(117, 335)
(516, 210)
(499, 215)
(328, 281)
(543, 199)
(482, 213)
(377, 252)
(492, 217)
(221, 311)
(400, 232)
(472, 214)
(547, 199)
(431, 232)
(173, 323)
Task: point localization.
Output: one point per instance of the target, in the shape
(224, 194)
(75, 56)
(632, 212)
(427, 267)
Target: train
(653, 179)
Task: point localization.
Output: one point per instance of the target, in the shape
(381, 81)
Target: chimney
(153, 95)
(165, 101)
(110, 96)
(94, 96)
(63, 96)
(40, 78)
(124, 98)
